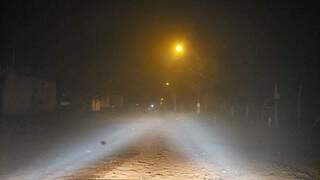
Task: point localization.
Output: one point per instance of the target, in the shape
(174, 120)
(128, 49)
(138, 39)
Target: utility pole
(199, 98)
(299, 104)
(198, 103)
(199, 87)
(276, 97)
(172, 91)
(13, 55)
(174, 102)
(247, 112)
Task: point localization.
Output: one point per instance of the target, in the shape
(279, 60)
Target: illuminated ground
(149, 147)
(145, 159)
(153, 158)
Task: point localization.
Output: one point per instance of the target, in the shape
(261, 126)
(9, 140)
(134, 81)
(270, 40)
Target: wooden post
(276, 97)
(299, 105)
(247, 112)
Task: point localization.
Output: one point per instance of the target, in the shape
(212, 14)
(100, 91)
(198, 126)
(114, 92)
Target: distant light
(167, 84)
(152, 105)
(179, 48)
(162, 99)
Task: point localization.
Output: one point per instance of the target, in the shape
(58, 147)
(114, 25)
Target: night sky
(123, 46)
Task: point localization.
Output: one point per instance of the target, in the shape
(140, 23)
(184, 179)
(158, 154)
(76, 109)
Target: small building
(96, 105)
(107, 102)
(22, 94)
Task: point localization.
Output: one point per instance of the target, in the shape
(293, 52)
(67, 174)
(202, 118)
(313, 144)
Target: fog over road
(156, 146)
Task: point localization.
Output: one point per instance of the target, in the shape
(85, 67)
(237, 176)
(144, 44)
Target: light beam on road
(195, 138)
(100, 144)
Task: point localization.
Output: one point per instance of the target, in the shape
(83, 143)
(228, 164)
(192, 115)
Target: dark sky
(90, 46)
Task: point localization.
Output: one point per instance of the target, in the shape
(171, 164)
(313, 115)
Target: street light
(174, 97)
(179, 48)
(179, 51)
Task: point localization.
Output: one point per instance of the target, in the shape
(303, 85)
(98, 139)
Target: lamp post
(174, 97)
(179, 51)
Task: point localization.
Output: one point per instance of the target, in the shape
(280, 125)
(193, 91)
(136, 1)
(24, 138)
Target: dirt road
(154, 157)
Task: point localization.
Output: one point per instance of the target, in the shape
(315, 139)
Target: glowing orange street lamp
(179, 48)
